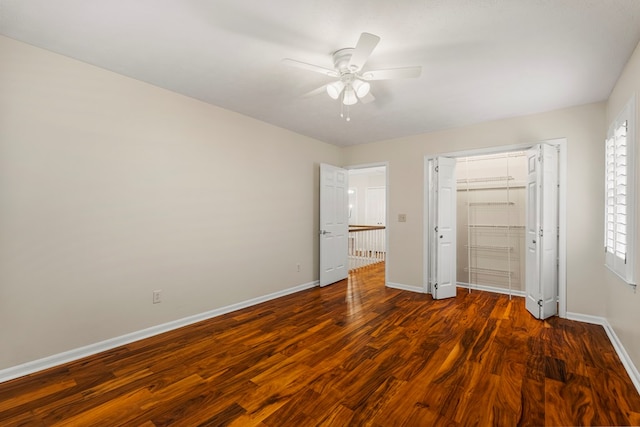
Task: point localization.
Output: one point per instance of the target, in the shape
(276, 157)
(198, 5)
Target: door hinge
(625, 258)
(540, 232)
(436, 229)
(435, 286)
(437, 168)
(540, 303)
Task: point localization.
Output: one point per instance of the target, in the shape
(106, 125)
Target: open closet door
(541, 281)
(334, 224)
(443, 232)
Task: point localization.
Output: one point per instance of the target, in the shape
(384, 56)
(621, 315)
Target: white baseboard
(587, 318)
(409, 288)
(615, 341)
(89, 350)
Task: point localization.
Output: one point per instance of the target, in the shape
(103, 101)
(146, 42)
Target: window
(619, 195)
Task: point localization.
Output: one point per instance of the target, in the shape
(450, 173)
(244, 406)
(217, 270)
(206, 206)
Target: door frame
(386, 208)
(561, 143)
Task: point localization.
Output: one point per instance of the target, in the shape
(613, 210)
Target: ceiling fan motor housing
(350, 81)
(341, 60)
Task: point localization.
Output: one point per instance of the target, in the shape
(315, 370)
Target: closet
(491, 195)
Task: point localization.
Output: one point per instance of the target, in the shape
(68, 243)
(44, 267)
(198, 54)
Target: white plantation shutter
(619, 197)
(616, 153)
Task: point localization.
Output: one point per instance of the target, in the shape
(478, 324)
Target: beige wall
(111, 188)
(622, 303)
(583, 127)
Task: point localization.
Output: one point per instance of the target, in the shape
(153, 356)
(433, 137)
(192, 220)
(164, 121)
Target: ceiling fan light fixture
(349, 96)
(353, 84)
(335, 89)
(361, 87)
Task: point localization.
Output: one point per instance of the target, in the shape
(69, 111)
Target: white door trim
(561, 143)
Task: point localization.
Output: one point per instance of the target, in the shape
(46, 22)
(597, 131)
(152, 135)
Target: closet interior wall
(490, 222)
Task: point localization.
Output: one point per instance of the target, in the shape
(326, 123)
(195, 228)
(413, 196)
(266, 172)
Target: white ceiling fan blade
(310, 67)
(368, 98)
(393, 73)
(363, 49)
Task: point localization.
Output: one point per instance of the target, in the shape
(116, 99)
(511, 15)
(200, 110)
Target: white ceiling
(481, 59)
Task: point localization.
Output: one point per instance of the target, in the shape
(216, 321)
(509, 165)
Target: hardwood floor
(354, 353)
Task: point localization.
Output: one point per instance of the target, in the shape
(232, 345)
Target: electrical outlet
(156, 296)
(402, 217)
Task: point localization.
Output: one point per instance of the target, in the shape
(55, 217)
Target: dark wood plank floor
(354, 353)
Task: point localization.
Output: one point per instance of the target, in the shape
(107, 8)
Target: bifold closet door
(443, 235)
(541, 270)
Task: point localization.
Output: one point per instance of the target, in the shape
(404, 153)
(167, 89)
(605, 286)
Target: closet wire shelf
(486, 179)
(490, 248)
(473, 184)
(491, 203)
(479, 186)
(501, 273)
(505, 227)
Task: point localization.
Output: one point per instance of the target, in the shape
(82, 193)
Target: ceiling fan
(352, 82)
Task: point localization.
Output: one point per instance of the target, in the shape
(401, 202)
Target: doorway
(367, 215)
(497, 245)
(491, 196)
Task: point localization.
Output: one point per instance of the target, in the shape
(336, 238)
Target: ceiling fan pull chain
(342, 114)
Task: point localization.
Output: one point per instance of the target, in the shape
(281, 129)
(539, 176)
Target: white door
(376, 206)
(532, 261)
(541, 270)
(444, 229)
(334, 224)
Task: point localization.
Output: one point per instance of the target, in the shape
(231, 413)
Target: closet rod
(495, 156)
